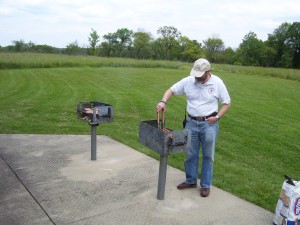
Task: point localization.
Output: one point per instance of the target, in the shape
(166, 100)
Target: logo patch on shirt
(211, 90)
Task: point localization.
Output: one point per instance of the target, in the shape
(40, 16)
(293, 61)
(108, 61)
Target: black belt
(202, 118)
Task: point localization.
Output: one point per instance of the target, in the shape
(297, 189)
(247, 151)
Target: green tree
(104, 49)
(250, 50)
(109, 47)
(93, 40)
(73, 48)
(30, 46)
(169, 40)
(268, 56)
(214, 48)
(142, 45)
(190, 50)
(158, 49)
(278, 41)
(293, 42)
(124, 41)
(45, 49)
(229, 56)
(19, 45)
(117, 44)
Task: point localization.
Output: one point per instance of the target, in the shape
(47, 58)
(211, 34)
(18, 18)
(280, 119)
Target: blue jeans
(203, 135)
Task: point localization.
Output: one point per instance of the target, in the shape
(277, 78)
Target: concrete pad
(17, 205)
(50, 179)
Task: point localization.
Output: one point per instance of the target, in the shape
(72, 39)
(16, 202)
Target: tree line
(281, 49)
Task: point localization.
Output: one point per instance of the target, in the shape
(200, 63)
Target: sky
(60, 22)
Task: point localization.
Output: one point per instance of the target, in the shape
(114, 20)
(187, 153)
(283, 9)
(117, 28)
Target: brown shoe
(204, 192)
(186, 186)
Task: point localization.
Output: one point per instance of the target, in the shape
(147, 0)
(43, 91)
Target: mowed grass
(259, 136)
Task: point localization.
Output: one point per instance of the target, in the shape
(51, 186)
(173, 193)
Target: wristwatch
(217, 117)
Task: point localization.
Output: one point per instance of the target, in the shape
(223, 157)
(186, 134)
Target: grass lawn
(259, 136)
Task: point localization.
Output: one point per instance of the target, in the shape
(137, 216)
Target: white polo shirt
(202, 99)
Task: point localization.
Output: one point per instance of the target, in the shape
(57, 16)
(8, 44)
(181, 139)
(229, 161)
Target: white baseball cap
(200, 67)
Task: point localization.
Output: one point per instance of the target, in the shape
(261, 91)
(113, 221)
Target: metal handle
(161, 123)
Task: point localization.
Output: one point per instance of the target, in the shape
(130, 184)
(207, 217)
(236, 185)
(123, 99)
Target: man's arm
(162, 104)
(223, 110)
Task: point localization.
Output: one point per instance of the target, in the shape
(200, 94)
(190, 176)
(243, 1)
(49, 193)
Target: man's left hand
(212, 119)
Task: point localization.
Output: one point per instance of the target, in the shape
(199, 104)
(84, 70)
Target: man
(203, 91)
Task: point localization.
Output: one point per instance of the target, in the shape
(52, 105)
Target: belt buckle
(199, 118)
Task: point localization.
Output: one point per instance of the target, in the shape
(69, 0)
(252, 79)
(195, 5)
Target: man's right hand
(160, 106)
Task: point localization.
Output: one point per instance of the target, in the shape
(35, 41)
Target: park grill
(101, 113)
(154, 135)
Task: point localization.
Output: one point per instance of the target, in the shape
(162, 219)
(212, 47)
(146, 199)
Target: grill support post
(101, 113)
(163, 163)
(93, 142)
